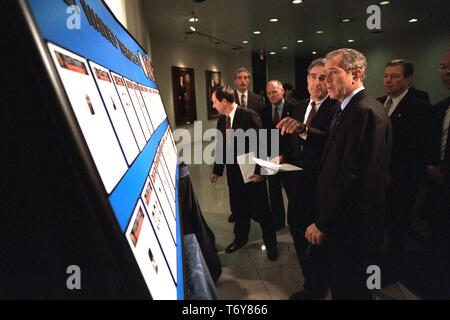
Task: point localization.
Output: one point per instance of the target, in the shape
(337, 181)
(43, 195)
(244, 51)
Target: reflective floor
(247, 274)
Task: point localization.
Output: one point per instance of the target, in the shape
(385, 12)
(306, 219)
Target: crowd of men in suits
(363, 161)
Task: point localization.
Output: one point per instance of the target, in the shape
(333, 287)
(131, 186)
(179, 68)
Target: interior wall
(281, 67)
(167, 53)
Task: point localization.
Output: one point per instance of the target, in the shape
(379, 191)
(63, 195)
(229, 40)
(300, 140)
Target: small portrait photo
(137, 225)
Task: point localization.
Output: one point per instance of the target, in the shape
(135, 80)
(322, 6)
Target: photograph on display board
(183, 84)
(149, 256)
(213, 81)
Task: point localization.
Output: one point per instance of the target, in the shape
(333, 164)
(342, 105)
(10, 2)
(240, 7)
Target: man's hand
(256, 178)
(289, 125)
(213, 178)
(314, 235)
(436, 175)
(278, 160)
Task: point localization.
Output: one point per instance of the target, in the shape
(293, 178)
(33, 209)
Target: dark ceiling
(225, 24)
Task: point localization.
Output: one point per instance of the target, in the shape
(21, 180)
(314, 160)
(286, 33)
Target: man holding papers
(246, 199)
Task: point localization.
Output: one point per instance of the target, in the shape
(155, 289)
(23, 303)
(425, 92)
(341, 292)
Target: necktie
(388, 106)
(336, 116)
(228, 123)
(243, 102)
(276, 116)
(311, 114)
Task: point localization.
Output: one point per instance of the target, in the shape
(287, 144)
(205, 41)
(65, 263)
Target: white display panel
(119, 82)
(154, 105)
(162, 195)
(140, 111)
(148, 254)
(91, 115)
(116, 112)
(164, 233)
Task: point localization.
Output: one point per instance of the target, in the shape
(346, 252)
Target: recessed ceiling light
(319, 31)
(256, 32)
(350, 40)
(346, 20)
(413, 20)
(299, 41)
(314, 52)
(297, 1)
(245, 41)
(383, 3)
(272, 52)
(273, 20)
(284, 48)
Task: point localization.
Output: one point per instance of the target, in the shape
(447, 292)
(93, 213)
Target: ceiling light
(192, 28)
(299, 41)
(350, 40)
(413, 20)
(256, 32)
(346, 20)
(314, 52)
(245, 41)
(319, 31)
(296, 1)
(273, 20)
(272, 52)
(284, 48)
(193, 19)
(383, 3)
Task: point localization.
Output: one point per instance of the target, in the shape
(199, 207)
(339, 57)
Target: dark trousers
(400, 199)
(276, 199)
(349, 260)
(249, 201)
(438, 204)
(301, 208)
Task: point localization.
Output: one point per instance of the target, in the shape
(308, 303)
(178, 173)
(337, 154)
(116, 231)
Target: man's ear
(409, 79)
(357, 74)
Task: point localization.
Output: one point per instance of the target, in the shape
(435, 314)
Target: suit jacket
(267, 120)
(408, 141)
(254, 101)
(422, 95)
(435, 132)
(351, 187)
(308, 153)
(243, 119)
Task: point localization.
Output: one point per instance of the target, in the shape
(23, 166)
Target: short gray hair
(275, 82)
(317, 62)
(242, 70)
(351, 59)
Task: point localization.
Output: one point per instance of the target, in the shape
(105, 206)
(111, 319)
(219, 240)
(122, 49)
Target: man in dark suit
(242, 95)
(305, 150)
(351, 186)
(245, 99)
(407, 113)
(279, 109)
(438, 202)
(246, 199)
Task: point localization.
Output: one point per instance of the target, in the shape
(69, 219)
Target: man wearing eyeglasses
(438, 202)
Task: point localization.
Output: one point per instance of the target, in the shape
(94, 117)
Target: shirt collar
(396, 100)
(347, 100)
(233, 113)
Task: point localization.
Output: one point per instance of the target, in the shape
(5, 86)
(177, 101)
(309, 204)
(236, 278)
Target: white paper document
(273, 168)
(247, 165)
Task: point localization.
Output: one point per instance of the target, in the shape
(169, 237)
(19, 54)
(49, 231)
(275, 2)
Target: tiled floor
(247, 274)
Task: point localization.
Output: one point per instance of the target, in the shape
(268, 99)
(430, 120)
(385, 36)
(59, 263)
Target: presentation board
(109, 82)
